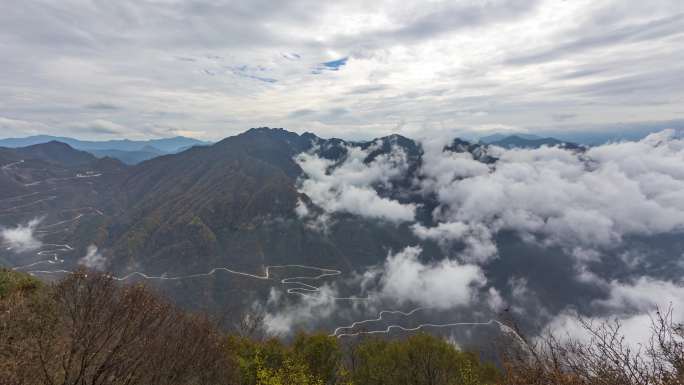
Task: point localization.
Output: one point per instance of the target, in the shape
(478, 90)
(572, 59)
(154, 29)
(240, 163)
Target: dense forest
(89, 329)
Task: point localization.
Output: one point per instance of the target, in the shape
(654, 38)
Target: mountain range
(232, 203)
(228, 204)
(243, 204)
(525, 141)
(128, 151)
(133, 152)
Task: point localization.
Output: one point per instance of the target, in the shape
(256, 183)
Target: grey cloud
(368, 89)
(102, 106)
(440, 19)
(99, 126)
(191, 23)
(654, 82)
(654, 29)
(302, 112)
(563, 117)
(68, 62)
(19, 127)
(334, 115)
(581, 73)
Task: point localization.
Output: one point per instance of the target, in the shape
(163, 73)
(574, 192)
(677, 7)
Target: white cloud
(93, 259)
(101, 126)
(581, 200)
(478, 239)
(494, 300)
(22, 238)
(590, 200)
(310, 308)
(632, 304)
(441, 168)
(466, 64)
(16, 127)
(301, 210)
(440, 285)
(644, 295)
(348, 187)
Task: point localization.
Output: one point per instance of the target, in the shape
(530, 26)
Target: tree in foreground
(605, 358)
(89, 330)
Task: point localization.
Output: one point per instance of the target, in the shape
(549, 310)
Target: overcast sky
(354, 69)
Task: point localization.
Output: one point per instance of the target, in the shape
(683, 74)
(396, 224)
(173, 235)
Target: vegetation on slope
(88, 329)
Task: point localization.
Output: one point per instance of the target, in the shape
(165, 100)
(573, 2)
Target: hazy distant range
(135, 151)
(127, 151)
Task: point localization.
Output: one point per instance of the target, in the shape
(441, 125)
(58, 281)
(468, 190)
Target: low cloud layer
(632, 304)
(599, 224)
(584, 200)
(350, 186)
(440, 285)
(283, 317)
(21, 238)
(589, 199)
(93, 259)
(401, 280)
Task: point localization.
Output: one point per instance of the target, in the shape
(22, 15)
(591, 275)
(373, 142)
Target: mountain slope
(198, 201)
(165, 145)
(127, 151)
(55, 152)
(35, 169)
(233, 204)
(9, 185)
(129, 157)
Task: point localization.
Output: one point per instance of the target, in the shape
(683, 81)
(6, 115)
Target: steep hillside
(129, 157)
(233, 204)
(165, 145)
(35, 168)
(55, 152)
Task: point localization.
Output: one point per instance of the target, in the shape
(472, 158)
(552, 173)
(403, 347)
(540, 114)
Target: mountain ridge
(528, 142)
(126, 150)
(163, 144)
(232, 204)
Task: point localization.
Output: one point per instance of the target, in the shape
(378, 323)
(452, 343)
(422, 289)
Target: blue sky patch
(335, 65)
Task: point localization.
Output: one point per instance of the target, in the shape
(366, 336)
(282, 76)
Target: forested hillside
(88, 329)
(396, 235)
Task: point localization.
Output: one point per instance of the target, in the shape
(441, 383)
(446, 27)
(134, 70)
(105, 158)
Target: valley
(270, 222)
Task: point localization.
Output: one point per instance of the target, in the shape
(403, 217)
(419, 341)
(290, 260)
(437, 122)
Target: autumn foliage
(88, 329)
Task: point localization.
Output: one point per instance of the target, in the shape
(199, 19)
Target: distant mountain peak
(55, 152)
(523, 140)
(52, 144)
(126, 150)
(488, 139)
